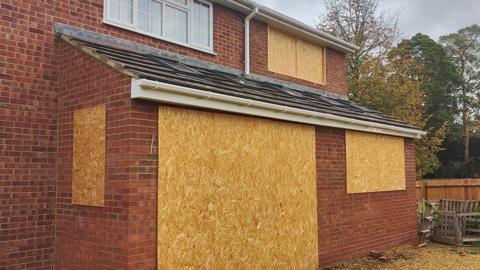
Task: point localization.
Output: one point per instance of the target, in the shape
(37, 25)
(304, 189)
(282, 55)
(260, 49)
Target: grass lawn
(431, 257)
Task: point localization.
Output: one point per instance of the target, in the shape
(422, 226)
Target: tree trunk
(466, 137)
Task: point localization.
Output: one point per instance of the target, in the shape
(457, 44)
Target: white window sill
(129, 28)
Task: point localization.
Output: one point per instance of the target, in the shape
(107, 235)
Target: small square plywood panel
(235, 192)
(375, 162)
(294, 57)
(88, 172)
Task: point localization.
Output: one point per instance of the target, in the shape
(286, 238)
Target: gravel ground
(431, 257)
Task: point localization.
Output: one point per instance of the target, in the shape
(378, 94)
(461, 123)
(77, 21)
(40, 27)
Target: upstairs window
(294, 57)
(185, 22)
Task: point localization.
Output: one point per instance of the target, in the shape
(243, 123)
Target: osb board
(375, 162)
(310, 62)
(295, 57)
(281, 53)
(235, 192)
(88, 172)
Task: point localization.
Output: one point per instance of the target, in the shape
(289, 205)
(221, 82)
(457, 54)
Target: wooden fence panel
(448, 189)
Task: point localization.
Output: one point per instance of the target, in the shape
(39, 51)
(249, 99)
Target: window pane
(201, 24)
(155, 25)
(142, 19)
(204, 39)
(181, 17)
(169, 30)
(204, 10)
(195, 20)
(169, 13)
(204, 25)
(156, 17)
(196, 37)
(196, 8)
(149, 16)
(181, 33)
(156, 8)
(175, 24)
(181, 2)
(121, 10)
(126, 14)
(114, 11)
(143, 5)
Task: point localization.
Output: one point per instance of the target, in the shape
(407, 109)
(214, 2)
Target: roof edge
(91, 36)
(289, 24)
(174, 94)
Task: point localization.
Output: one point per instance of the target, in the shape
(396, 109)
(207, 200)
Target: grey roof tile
(174, 71)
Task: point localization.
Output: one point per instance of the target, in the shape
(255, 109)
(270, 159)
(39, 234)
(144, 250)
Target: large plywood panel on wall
(281, 53)
(88, 170)
(235, 192)
(310, 62)
(374, 162)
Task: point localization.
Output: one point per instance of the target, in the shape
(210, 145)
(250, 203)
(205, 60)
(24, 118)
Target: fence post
(422, 189)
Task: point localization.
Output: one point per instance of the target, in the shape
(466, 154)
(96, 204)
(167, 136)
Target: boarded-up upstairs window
(294, 57)
(88, 172)
(374, 162)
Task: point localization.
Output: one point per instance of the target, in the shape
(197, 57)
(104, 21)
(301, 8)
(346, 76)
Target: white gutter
(168, 93)
(247, 39)
(289, 24)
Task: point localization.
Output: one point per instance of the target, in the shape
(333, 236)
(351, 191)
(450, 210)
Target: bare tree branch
(360, 22)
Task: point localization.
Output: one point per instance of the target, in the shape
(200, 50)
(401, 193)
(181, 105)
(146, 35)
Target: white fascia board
(289, 25)
(174, 94)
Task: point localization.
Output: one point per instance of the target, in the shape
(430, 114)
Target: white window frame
(189, 8)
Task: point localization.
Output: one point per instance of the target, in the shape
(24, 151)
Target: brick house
(138, 134)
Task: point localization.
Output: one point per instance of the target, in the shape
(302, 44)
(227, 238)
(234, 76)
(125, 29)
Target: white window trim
(133, 27)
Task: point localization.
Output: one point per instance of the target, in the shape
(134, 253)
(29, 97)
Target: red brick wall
(121, 235)
(28, 113)
(350, 225)
(31, 96)
(336, 69)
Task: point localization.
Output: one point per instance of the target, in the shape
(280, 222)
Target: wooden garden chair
(457, 222)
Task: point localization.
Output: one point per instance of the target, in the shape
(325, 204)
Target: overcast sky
(431, 17)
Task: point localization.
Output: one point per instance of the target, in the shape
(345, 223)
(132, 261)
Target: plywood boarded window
(88, 172)
(235, 192)
(295, 57)
(375, 162)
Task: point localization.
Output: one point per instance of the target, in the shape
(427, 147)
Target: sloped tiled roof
(172, 71)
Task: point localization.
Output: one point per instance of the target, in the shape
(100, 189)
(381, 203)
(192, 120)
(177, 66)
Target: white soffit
(174, 94)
